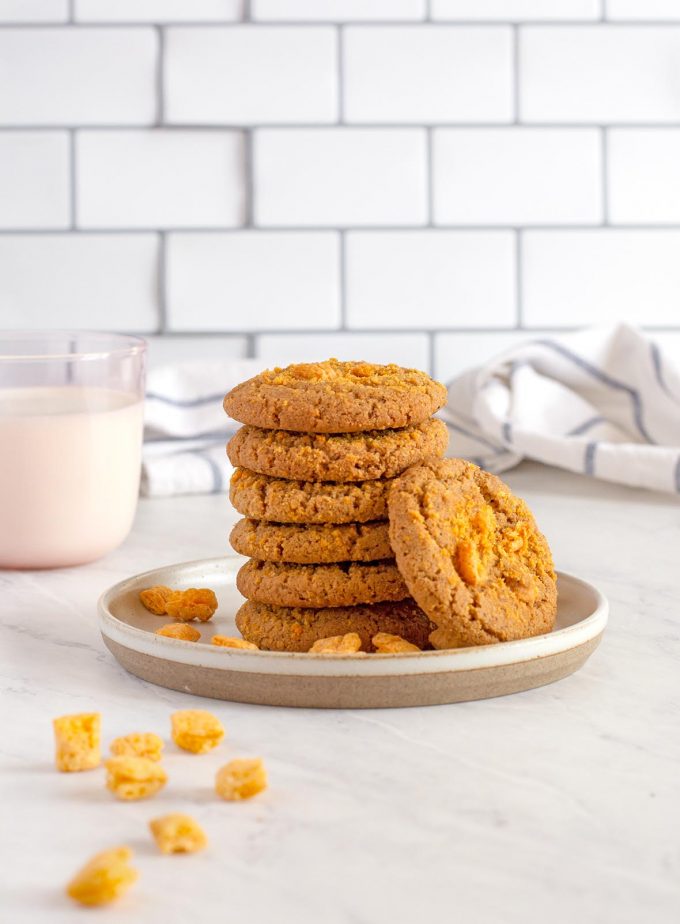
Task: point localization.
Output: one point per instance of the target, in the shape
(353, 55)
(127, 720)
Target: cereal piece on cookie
(132, 778)
(337, 644)
(241, 779)
(180, 630)
(138, 744)
(103, 878)
(471, 555)
(178, 833)
(196, 730)
(155, 598)
(194, 603)
(77, 741)
(311, 544)
(229, 641)
(385, 643)
(335, 397)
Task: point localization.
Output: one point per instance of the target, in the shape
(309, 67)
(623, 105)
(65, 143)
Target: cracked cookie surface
(471, 555)
(335, 397)
(311, 544)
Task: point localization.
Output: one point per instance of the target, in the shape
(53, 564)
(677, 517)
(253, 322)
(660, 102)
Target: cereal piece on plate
(241, 779)
(180, 630)
(77, 739)
(155, 598)
(196, 730)
(178, 833)
(337, 644)
(138, 744)
(228, 641)
(103, 878)
(194, 603)
(131, 778)
(385, 643)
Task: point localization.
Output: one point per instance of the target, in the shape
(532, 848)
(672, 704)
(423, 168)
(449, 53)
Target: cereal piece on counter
(196, 730)
(194, 603)
(77, 739)
(103, 878)
(138, 744)
(384, 643)
(227, 641)
(180, 630)
(178, 833)
(155, 598)
(131, 778)
(241, 779)
(337, 644)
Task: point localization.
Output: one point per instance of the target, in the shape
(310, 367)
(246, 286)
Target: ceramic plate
(333, 681)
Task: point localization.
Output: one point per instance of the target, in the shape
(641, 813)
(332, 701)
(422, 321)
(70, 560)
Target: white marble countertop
(561, 804)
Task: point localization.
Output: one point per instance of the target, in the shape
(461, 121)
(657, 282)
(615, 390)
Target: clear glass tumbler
(71, 421)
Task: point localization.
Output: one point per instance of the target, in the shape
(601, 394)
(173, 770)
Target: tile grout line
(340, 73)
(248, 180)
(73, 179)
(604, 154)
(519, 307)
(429, 179)
(342, 279)
(515, 74)
(431, 352)
(162, 287)
(160, 76)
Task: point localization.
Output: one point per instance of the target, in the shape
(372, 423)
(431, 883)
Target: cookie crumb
(138, 744)
(132, 778)
(241, 779)
(349, 643)
(196, 730)
(77, 739)
(179, 630)
(228, 641)
(104, 878)
(385, 643)
(178, 833)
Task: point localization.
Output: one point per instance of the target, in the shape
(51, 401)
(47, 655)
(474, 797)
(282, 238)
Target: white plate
(334, 681)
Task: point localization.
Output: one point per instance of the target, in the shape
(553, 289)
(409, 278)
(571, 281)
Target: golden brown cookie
(312, 544)
(346, 584)
(471, 555)
(339, 456)
(280, 628)
(335, 397)
(262, 497)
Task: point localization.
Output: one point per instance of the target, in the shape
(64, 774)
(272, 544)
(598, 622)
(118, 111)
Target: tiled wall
(388, 179)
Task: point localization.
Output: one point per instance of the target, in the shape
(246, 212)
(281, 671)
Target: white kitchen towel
(601, 402)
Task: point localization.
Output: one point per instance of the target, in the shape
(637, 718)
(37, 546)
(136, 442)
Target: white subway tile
(158, 10)
(516, 10)
(643, 9)
(34, 180)
(411, 279)
(246, 74)
(253, 281)
(340, 176)
(170, 350)
(599, 74)
(84, 76)
(91, 281)
(517, 176)
(337, 10)
(458, 351)
(33, 11)
(411, 350)
(159, 179)
(600, 276)
(644, 175)
(428, 74)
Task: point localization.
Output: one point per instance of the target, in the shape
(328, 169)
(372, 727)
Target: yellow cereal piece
(138, 744)
(155, 598)
(337, 644)
(103, 878)
(77, 740)
(227, 641)
(194, 603)
(180, 630)
(178, 833)
(196, 730)
(241, 779)
(131, 778)
(385, 643)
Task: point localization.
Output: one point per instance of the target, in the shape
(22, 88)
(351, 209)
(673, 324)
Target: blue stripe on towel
(589, 458)
(507, 431)
(585, 426)
(657, 364)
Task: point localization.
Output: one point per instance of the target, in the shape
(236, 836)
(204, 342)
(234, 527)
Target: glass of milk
(71, 420)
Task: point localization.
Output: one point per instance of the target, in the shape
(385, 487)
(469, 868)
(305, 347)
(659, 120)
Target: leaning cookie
(471, 555)
(311, 544)
(339, 456)
(335, 397)
(346, 584)
(280, 628)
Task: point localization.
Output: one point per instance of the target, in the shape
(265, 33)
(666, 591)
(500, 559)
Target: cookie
(281, 628)
(311, 544)
(471, 555)
(265, 498)
(338, 457)
(335, 397)
(346, 584)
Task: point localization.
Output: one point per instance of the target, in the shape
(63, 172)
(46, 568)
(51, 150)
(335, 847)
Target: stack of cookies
(321, 445)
